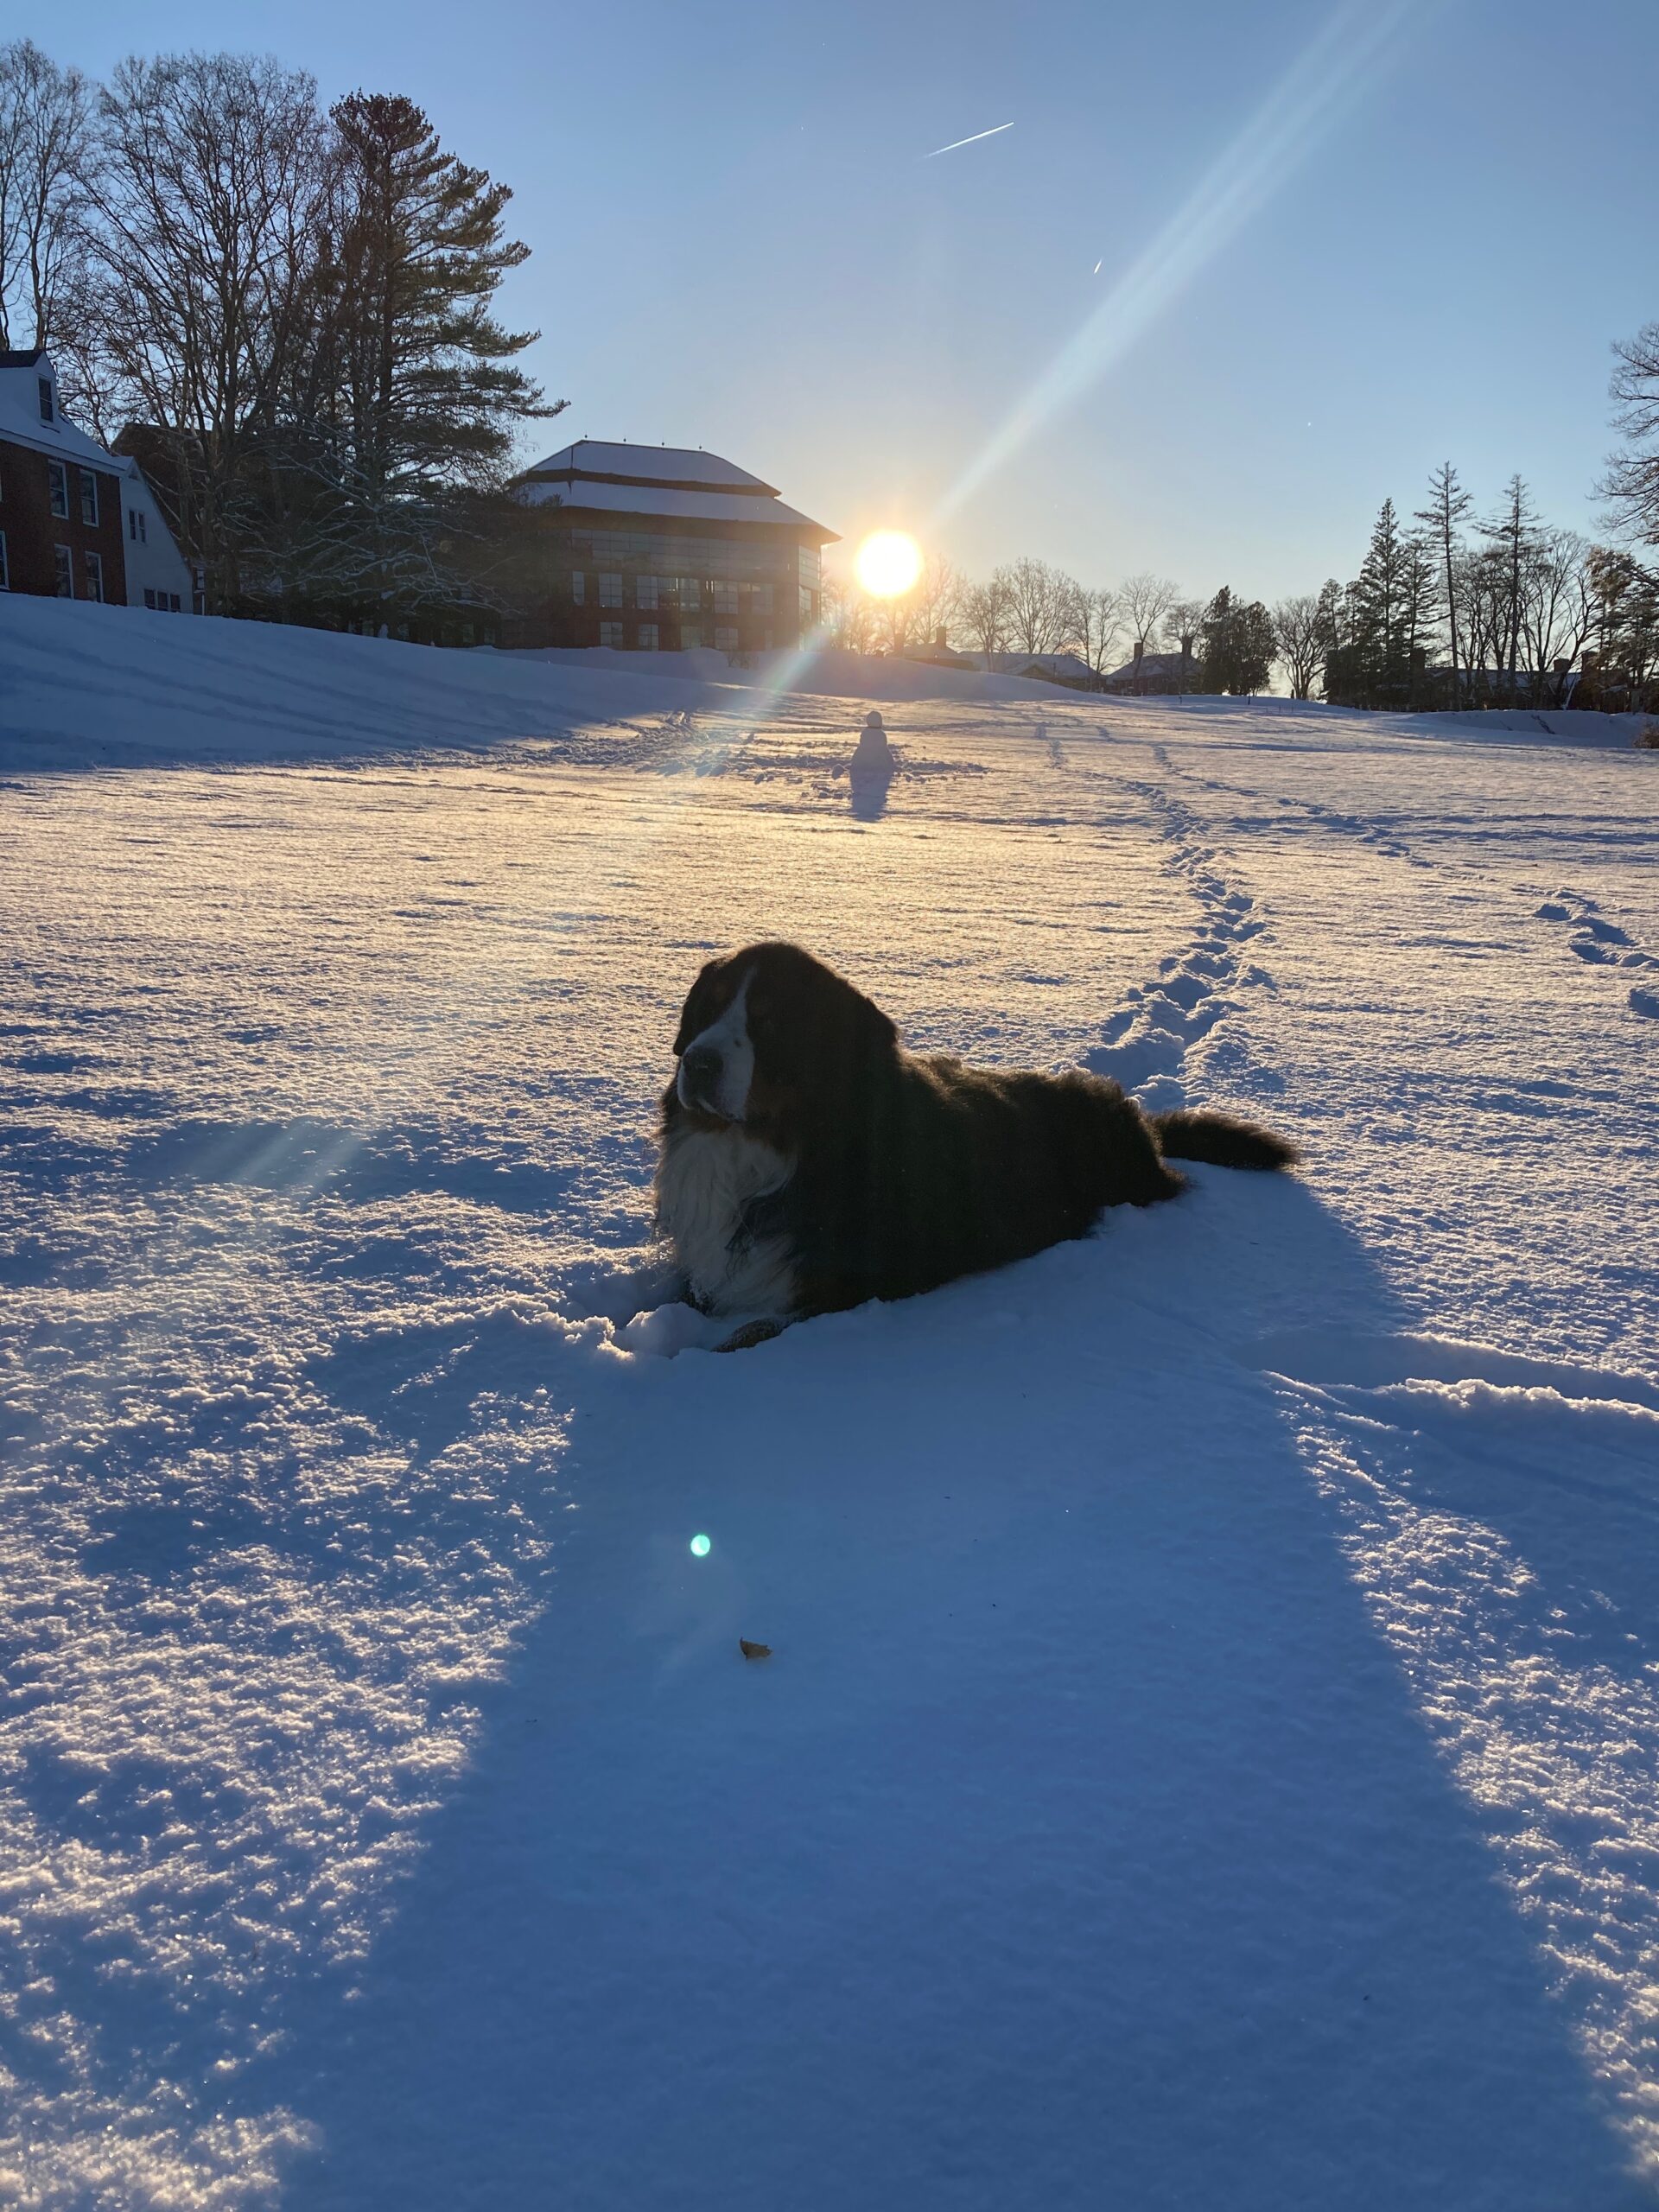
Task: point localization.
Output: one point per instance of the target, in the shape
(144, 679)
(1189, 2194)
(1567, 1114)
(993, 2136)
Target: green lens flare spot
(701, 1548)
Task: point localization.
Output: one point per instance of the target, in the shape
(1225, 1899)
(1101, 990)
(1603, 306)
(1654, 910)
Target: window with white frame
(173, 607)
(645, 592)
(5, 573)
(647, 637)
(725, 638)
(46, 399)
(610, 633)
(578, 588)
(63, 567)
(610, 591)
(95, 576)
(137, 526)
(89, 499)
(57, 478)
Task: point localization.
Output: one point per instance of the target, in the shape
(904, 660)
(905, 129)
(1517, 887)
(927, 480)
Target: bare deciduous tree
(1299, 629)
(985, 613)
(1098, 625)
(1147, 598)
(1630, 486)
(46, 115)
(206, 195)
(1039, 608)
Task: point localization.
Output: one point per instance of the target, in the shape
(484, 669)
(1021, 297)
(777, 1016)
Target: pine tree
(1513, 535)
(1443, 518)
(1237, 645)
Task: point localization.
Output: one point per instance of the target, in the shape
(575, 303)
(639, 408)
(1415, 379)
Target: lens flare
(701, 1548)
(888, 564)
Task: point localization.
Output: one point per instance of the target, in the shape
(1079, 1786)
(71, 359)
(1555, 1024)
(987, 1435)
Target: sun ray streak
(1341, 63)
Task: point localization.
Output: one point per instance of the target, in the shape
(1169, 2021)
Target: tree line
(286, 312)
(1450, 609)
(1030, 608)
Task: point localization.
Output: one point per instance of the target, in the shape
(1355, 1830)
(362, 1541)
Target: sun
(888, 564)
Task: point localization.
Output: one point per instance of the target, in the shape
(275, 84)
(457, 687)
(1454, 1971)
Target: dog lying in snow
(808, 1162)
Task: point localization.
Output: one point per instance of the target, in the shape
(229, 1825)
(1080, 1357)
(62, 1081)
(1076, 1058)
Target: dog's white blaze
(706, 1179)
(730, 1038)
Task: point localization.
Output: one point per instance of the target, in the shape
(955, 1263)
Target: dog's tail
(1221, 1139)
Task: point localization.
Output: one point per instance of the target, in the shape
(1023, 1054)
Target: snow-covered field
(1208, 1757)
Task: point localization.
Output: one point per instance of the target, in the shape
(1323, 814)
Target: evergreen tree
(401, 416)
(1443, 519)
(1236, 645)
(1512, 534)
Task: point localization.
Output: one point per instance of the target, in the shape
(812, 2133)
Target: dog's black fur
(909, 1170)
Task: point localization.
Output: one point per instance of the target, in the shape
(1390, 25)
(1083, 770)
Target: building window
(149, 596)
(57, 477)
(808, 609)
(46, 399)
(690, 637)
(137, 526)
(762, 599)
(578, 588)
(89, 499)
(610, 591)
(95, 576)
(809, 567)
(5, 573)
(725, 638)
(610, 633)
(645, 592)
(173, 604)
(689, 593)
(64, 567)
(725, 598)
(647, 637)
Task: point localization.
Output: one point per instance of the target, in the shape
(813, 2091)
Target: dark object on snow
(753, 1651)
(808, 1162)
(873, 755)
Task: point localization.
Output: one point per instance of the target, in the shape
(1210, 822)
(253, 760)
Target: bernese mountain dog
(808, 1162)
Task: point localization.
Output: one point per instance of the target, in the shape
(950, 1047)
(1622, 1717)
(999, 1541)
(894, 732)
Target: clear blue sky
(1421, 251)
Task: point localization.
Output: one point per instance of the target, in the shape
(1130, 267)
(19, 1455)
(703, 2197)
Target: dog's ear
(690, 1027)
(875, 1032)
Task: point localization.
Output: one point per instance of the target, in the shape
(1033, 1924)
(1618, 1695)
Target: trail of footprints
(1145, 1044)
(1602, 944)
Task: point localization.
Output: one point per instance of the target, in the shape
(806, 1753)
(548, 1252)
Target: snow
(587, 496)
(20, 423)
(681, 464)
(1207, 1752)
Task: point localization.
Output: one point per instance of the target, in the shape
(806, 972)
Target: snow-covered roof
(660, 483)
(676, 465)
(659, 502)
(20, 416)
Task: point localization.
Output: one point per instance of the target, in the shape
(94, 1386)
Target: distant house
(1070, 669)
(76, 522)
(1152, 675)
(654, 549)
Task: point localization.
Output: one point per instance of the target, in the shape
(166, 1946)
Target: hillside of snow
(1207, 1754)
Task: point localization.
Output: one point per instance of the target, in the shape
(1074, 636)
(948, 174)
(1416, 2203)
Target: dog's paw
(752, 1333)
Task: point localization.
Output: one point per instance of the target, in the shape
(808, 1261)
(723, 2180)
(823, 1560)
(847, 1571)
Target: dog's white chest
(706, 1179)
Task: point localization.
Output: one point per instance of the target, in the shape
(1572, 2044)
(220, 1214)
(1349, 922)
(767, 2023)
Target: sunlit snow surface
(1208, 1752)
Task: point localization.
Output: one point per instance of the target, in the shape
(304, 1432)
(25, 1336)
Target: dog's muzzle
(698, 1081)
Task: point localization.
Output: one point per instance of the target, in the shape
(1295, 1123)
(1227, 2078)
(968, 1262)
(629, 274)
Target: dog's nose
(702, 1066)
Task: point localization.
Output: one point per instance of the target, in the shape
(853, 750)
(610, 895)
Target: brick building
(76, 522)
(654, 549)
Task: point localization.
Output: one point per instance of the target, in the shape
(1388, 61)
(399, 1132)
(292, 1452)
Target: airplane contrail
(977, 136)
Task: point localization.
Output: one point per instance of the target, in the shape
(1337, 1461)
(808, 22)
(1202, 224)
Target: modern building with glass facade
(656, 549)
